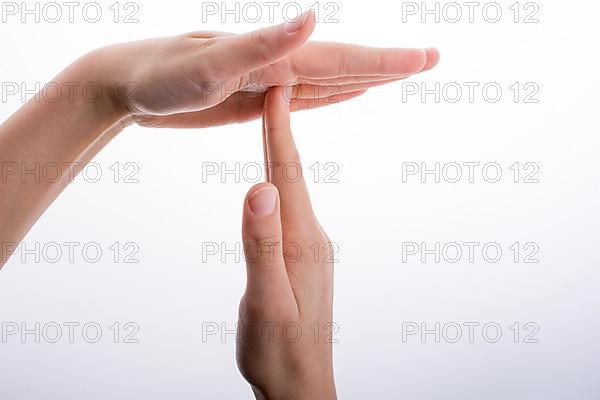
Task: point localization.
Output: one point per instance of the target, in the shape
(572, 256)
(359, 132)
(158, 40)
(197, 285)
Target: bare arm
(45, 143)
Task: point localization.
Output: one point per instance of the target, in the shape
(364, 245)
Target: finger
(309, 104)
(320, 92)
(207, 34)
(283, 163)
(263, 238)
(433, 58)
(337, 59)
(348, 80)
(239, 55)
(234, 111)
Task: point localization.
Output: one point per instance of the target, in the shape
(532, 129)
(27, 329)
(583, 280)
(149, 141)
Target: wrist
(102, 86)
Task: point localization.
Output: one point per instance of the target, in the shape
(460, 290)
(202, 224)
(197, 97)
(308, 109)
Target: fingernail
(262, 203)
(294, 26)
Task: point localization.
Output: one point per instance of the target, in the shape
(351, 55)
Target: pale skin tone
(286, 314)
(198, 80)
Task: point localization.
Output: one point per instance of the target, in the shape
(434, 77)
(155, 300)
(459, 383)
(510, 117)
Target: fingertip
(311, 21)
(433, 58)
(404, 61)
(240, 54)
(303, 26)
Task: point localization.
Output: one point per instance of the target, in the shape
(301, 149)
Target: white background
(370, 213)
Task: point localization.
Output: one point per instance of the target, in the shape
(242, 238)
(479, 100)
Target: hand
(286, 314)
(206, 79)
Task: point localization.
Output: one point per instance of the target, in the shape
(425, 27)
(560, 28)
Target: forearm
(48, 141)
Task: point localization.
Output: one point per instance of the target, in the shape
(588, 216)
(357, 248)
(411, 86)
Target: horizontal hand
(205, 79)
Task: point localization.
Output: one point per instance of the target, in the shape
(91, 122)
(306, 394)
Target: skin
(200, 80)
(170, 82)
(289, 293)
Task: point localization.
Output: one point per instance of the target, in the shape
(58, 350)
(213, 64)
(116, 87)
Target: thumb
(238, 55)
(263, 240)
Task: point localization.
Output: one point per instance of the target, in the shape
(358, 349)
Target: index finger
(283, 162)
(332, 60)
